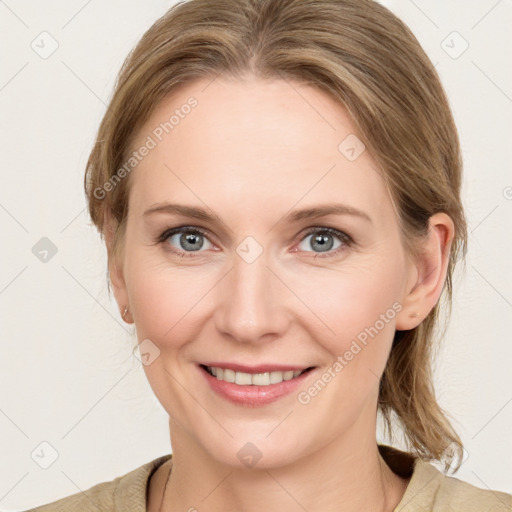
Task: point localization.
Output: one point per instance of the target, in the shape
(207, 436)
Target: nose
(252, 302)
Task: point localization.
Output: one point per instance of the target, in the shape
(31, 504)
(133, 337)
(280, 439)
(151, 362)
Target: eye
(323, 240)
(185, 240)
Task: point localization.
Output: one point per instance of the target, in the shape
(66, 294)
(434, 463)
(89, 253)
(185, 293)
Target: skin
(251, 151)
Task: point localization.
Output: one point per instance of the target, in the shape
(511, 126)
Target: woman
(278, 186)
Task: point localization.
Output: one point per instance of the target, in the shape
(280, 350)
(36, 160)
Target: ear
(427, 273)
(115, 269)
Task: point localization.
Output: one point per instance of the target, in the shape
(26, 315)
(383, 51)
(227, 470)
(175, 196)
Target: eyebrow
(293, 216)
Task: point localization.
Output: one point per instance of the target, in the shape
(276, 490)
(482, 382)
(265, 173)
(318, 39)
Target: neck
(334, 478)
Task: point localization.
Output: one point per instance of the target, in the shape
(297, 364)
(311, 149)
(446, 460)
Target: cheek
(357, 308)
(165, 307)
(169, 302)
(162, 301)
(352, 303)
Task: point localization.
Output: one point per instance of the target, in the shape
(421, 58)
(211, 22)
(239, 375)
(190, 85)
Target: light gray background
(68, 377)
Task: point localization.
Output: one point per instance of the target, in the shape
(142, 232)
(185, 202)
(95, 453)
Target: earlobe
(124, 313)
(429, 272)
(116, 273)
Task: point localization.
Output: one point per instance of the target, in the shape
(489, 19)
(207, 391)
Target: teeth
(254, 379)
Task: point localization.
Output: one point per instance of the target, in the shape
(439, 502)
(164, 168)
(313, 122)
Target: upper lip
(260, 368)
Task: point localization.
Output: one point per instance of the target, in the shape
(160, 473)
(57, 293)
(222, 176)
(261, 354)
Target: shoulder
(126, 492)
(431, 490)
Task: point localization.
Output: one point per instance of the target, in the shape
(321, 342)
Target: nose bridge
(251, 304)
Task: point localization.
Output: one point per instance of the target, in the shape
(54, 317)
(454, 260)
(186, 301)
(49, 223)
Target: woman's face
(267, 285)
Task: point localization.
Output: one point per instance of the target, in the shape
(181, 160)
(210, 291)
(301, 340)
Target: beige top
(429, 490)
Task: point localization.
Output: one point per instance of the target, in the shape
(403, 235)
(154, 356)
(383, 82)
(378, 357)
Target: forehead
(255, 140)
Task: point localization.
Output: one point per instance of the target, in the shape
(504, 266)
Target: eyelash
(343, 237)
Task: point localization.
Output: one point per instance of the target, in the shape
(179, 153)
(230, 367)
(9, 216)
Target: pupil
(324, 245)
(191, 241)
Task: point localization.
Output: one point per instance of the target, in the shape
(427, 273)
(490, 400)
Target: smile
(253, 379)
(254, 386)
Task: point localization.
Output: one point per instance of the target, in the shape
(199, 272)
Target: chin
(254, 450)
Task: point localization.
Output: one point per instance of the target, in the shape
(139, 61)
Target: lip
(260, 368)
(250, 395)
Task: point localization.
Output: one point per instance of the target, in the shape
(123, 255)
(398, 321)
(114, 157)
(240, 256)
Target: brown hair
(370, 62)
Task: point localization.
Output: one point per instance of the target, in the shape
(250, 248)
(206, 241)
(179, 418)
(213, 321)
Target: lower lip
(253, 396)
